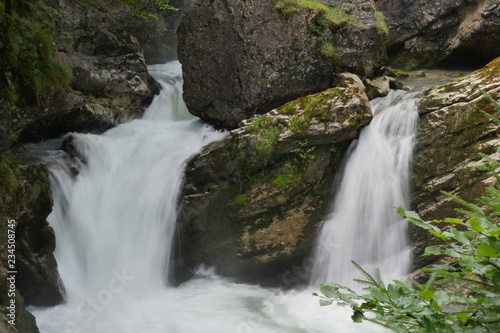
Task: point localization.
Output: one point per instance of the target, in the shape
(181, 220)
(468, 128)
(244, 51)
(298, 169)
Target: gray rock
(452, 132)
(242, 58)
(252, 202)
(456, 32)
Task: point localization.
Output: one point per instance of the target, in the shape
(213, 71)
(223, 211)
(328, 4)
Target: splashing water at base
(114, 224)
(364, 225)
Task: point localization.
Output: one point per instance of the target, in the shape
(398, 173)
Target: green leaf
(401, 211)
(325, 302)
(455, 221)
(329, 289)
(432, 251)
(460, 236)
(475, 224)
(438, 234)
(487, 250)
(426, 294)
(358, 317)
(462, 317)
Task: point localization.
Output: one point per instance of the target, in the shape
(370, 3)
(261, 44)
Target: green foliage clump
(327, 16)
(9, 179)
(463, 296)
(27, 44)
(328, 51)
(266, 132)
(380, 23)
(134, 7)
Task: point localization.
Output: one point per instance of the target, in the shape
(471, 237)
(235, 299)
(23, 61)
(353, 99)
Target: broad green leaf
(475, 224)
(438, 234)
(325, 302)
(358, 317)
(401, 211)
(432, 251)
(487, 250)
(379, 294)
(462, 317)
(460, 236)
(426, 294)
(329, 289)
(455, 221)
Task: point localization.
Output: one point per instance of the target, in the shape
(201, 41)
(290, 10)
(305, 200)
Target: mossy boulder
(252, 202)
(452, 132)
(242, 58)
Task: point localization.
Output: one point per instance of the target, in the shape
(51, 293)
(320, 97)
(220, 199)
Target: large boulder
(252, 202)
(451, 134)
(242, 58)
(26, 199)
(444, 32)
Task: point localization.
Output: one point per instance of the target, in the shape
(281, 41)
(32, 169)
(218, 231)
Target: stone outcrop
(110, 81)
(252, 202)
(428, 33)
(26, 198)
(242, 58)
(451, 134)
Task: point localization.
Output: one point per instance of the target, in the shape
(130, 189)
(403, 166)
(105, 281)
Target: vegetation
(328, 51)
(462, 295)
(136, 10)
(327, 16)
(380, 23)
(29, 72)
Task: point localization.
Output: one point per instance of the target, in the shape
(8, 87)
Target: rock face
(426, 33)
(110, 80)
(242, 58)
(251, 202)
(26, 198)
(452, 132)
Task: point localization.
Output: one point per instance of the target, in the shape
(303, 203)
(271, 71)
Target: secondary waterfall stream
(114, 224)
(363, 225)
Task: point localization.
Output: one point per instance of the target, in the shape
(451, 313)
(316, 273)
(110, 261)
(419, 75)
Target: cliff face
(452, 133)
(26, 199)
(242, 58)
(110, 83)
(445, 32)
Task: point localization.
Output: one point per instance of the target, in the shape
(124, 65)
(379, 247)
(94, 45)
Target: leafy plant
(463, 295)
(29, 71)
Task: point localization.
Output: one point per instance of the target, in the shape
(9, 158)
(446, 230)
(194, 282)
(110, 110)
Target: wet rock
(252, 202)
(275, 55)
(380, 86)
(452, 133)
(26, 198)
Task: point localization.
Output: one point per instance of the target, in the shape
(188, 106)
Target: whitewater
(114, 224)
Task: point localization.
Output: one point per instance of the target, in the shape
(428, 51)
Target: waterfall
(114, 224)
(363, 224)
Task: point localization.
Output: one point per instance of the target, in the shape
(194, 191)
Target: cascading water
(114, 223)
(363, 225)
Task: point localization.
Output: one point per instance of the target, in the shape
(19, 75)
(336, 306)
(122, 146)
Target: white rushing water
(114, 225)
(363, 224)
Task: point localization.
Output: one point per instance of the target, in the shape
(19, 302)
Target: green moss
(241, 199)
(328, 51)
(266, 133)
(9, 181)
(311, 106)
(327, 16)
(380, 23)
(29, 72)
(299, 124)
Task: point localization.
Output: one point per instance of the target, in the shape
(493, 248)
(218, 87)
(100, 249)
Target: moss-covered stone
(451, 134)
(252, 201)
